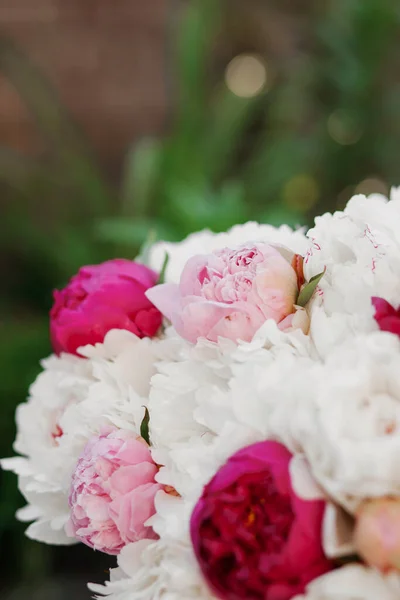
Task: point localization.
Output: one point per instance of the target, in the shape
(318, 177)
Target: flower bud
(377, 533)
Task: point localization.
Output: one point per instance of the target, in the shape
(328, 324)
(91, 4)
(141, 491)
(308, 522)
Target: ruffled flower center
(242, 539)
(231, 278)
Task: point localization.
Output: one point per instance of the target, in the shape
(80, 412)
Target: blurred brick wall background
(109, 63)
(105, 58)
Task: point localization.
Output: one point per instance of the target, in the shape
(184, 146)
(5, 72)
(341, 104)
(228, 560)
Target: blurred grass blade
(202, 207)
(131, 232)
(193, 47)
(145, 248)
(55, 124)
(231, 116)
(140, 177)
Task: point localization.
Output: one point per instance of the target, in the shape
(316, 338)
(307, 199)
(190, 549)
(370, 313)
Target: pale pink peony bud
(377, 533)
(112, 492)
(232, 292)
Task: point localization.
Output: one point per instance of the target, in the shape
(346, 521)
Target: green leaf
(308, 289)
(161, 277)
(144, 427)
(229, 119)
(193, 45)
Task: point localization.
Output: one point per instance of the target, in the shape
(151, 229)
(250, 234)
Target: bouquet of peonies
(233, 431)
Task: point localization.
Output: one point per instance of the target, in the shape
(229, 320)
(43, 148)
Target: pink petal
(166, 298)
(125, 479)
(237, 325)
(202, 318)
(190, 283)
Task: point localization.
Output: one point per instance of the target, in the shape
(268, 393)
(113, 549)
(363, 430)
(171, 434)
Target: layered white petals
(353, 582)
(72, 400)
(352, 436)
(155, 571)
(359, 248)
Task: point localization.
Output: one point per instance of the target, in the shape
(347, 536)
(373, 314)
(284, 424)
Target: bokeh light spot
(301, 192)
(246, 75)
(344, 127)
(372, 185)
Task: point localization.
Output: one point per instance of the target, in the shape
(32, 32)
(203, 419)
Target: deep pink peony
(112, 492)
(253, 537)
(231, 293)
(387, 317)
(100, 298)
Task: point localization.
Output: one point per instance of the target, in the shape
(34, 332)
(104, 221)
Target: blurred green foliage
(328, 119)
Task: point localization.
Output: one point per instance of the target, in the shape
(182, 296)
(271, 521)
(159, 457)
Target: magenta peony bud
(377, 533)
(100, 298)
(253, 537)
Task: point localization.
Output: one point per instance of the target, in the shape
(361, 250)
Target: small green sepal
(308, 289)
(144, 427)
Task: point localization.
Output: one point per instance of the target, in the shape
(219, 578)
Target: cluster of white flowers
(331, 396)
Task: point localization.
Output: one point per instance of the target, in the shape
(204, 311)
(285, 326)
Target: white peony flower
(64, 381)
(204, 242)
(351, 432)
(270, 388)
(154, 571)
(71, 400)
(215, 398)
(353, 582)
(360, 250)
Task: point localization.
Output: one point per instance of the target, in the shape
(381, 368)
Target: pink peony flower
(112, 492)
(377, 533)
(230, 293)
(103, 297)
(387, 317)
(253, 537)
